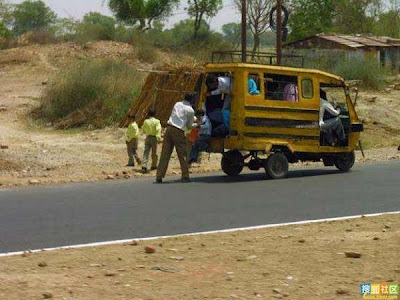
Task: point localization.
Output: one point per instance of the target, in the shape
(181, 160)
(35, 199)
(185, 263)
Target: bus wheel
(345, 161)
(232, 163)
(277, 166)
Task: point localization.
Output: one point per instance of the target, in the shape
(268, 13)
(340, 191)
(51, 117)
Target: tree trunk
(256, 44)
(142, 24)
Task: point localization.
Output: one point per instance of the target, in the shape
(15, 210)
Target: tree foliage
(143, 12)
(32, 15)
(198, 9)
(98, 26)
(310, 17)
(5, 13)
(356, 16)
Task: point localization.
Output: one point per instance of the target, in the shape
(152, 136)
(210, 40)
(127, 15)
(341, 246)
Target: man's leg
(134, 151)
(200, 145)
(180, 146)
(130, 154)
(154, 156)
(147, 148)
(166, 152)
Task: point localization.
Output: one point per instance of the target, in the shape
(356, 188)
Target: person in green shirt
(132, 135)
(152, 129)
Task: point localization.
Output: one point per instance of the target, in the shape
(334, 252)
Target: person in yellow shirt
(132, 135)
(152, 128)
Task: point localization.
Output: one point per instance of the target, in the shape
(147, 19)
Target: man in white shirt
(329, 120)
(181, 119)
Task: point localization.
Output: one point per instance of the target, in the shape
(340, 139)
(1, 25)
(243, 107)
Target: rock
(302, 241)
(110, 273)
(42, 264)
(251, 257)
(384, 230)
(149, 250)
(178, 258)
(47, 295)
(95, 265)
(375, 238)
(352, 254)
(397, 86)
(278, 296)
(388, 90)
(277, 291)
(342, 291)
(34, 181)
(110, 177)
(4, 147)
(387, 226)
(285, 236)
(371, 99)
(3, 108)
(133, 243)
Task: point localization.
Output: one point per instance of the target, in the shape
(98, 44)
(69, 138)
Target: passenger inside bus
(217, 104)
(281, 87)
(329, 122)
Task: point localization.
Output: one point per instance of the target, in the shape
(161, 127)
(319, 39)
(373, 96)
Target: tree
(32, 15)
(143, 12)
(103, 27)
(310, 17)
(388, 24)
(198, 9)
(5, 13)
(258, 18)
(356, 16)
(232, 33)
(65, 28)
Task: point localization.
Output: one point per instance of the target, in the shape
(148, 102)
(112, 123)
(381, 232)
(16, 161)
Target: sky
(78, 8)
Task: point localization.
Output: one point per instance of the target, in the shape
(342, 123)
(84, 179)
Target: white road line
(202, 233)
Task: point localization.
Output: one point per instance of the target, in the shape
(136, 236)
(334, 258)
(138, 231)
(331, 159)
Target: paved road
(41, 217)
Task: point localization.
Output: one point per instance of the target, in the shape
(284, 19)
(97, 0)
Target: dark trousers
(333, 128)
(173, 137)
(201, 144)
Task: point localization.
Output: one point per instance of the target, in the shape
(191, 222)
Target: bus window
(281, 87)
(253, 84)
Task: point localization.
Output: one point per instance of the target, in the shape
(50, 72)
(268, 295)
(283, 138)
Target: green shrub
(369, 71)
(147, 53)
(96, 93)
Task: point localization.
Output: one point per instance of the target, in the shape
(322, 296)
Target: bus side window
(281, 87)
(253, 84)
(307, 90)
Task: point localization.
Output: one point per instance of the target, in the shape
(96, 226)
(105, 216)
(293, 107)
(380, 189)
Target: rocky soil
(327, 260)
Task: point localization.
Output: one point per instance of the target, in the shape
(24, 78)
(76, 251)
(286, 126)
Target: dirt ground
(291, 262)
(38, 154)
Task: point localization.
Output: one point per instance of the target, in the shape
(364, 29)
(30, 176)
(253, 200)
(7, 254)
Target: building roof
(353, 41)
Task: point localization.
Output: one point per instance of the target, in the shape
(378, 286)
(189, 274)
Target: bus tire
(277, 166)
(345, 161)
(232, 163)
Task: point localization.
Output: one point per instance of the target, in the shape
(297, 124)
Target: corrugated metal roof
(341, 40)
(355, 41)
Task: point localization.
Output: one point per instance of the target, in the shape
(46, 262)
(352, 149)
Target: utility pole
(279, 32)
(244, 31)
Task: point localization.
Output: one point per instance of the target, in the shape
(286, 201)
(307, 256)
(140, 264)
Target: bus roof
(221, 66)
